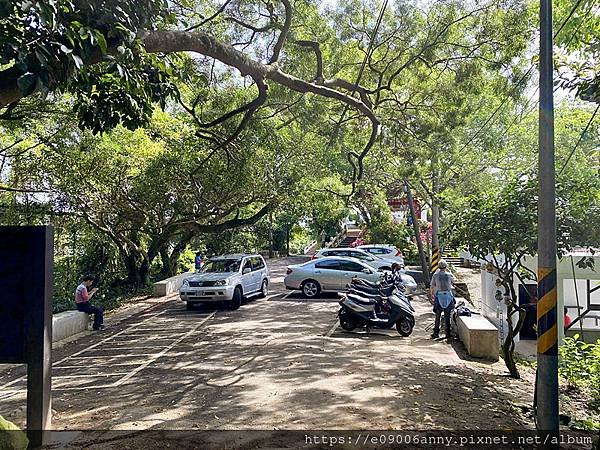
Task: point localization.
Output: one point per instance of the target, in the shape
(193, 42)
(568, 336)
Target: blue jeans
(91, 309)
(438, 310)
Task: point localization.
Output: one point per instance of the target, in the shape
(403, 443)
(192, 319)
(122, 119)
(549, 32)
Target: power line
(362, 67)
(564, 22)
(520, 80)
(579, 140)
(581, 22)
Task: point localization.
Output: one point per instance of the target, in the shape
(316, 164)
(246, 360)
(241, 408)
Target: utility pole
(413, 215)
(435, 217)
(547, 336)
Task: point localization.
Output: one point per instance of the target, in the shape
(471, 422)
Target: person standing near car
(82, 301)
(198, 261)
(443, 298)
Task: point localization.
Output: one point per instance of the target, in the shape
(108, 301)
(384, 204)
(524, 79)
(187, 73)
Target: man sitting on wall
(82, 300)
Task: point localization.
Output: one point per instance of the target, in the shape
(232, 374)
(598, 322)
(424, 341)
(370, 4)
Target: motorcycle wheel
(404, 327)
(347, 322)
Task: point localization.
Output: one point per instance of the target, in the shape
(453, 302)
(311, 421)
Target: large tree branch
(316, 47)
(164, 41)
(236, 222)
(284, 32)
(206, 44)
(340, 83)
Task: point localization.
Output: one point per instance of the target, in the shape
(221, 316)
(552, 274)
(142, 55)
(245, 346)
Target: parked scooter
(372, 305)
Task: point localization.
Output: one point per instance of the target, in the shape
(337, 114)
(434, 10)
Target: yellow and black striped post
(547, 325)
(435, 259)
(547, 344)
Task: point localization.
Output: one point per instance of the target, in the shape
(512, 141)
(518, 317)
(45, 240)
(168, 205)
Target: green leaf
(101, 41)
(77, 60)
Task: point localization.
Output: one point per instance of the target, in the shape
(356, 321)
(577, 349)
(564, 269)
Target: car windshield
(222, 265)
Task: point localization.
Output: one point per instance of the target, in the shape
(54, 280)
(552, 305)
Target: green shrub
(580, 365)
(11, 436)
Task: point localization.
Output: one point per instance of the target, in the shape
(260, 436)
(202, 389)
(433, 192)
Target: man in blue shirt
(441, 291)
(198, 262)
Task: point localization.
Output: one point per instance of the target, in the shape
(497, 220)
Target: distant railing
(310, 248)
(337, 239)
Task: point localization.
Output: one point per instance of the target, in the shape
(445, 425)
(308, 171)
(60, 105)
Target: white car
(332, 274)
(384, 251)
(360, 254)
(327, 274)
(227, 278)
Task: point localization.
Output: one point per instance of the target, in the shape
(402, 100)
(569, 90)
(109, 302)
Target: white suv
(227, 278)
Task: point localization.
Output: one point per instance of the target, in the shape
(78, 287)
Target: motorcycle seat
(362, 300)
(366, 283)
(375, 297)
(365, 290)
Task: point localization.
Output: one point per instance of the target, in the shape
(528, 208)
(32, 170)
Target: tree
(118, 58)
(500, 226)
(579, 48)
(143, 193)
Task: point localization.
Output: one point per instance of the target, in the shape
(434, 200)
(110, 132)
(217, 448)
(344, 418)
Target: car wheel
(264, 290)
(236, 301)
(404, 327)
(311, 288)
(189, 306)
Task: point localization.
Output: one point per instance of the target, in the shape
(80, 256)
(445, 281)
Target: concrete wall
(590, 336)
(67, 324)
(479, 336)
(170, 285)
(490, 307)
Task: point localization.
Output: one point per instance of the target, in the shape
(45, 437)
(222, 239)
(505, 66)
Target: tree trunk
(179, 248)
(271, 252)
(287, 249)
(138, 269)
(436, 254)
(512, 308)
(168, 268)
(415, 221)
(508, 347)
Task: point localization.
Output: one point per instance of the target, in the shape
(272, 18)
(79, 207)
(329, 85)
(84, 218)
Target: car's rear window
(333, 264)
(222, 265)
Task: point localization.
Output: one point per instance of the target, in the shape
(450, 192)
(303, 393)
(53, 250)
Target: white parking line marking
(158, 355)
(332, 329)
(113, 356)
(138, 367)
(86, 367)
(24, 377)
(91, 375)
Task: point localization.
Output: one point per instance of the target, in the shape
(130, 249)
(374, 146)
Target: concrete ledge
(67, 324)
(590, 335)
(479, 336)
(170, 285)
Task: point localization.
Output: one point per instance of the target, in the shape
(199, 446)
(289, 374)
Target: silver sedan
(328, 274)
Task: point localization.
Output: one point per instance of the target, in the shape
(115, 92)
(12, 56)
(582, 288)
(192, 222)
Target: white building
(578, 289)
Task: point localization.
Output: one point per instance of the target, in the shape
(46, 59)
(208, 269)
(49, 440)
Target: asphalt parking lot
(276, 363)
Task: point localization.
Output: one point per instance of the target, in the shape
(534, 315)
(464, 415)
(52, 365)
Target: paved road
(276, 363)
